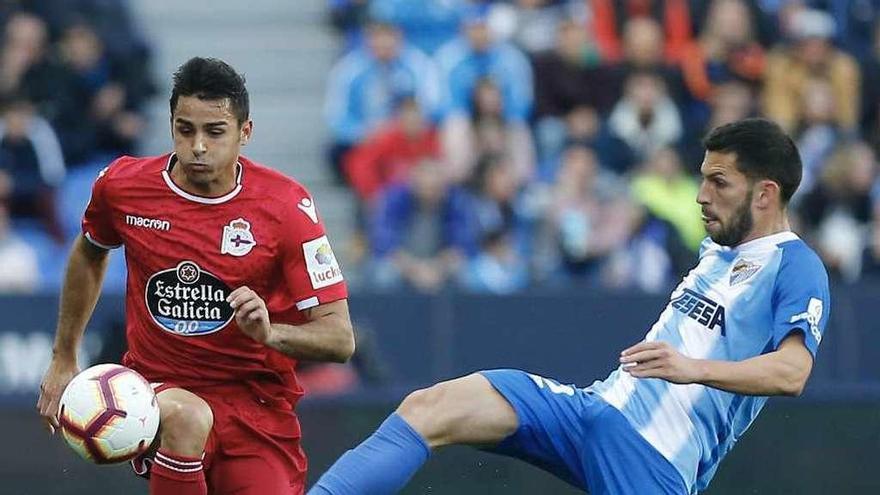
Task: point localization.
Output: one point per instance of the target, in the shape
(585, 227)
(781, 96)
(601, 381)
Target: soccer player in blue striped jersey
(743, 325)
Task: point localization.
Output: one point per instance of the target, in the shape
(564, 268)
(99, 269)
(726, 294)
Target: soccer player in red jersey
(231, 280)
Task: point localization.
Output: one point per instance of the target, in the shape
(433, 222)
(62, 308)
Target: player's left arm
(781, 372)
(801, 305)
(326, 336)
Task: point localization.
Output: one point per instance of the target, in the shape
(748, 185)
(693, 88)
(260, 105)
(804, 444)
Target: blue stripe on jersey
(740, 414)
(716, 429)
(690, 450)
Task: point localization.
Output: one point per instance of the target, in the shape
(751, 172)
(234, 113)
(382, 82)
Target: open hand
(59, 374)
(658, 359)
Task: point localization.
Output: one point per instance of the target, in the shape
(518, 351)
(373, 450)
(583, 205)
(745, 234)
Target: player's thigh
(252, 475)
(617, 460)
(466, 410)
(552, 420)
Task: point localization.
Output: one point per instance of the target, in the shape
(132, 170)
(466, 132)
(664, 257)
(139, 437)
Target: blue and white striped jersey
(736, 303)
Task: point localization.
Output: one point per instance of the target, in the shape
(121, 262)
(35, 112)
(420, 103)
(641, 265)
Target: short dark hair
(763, 151)
(211, 79)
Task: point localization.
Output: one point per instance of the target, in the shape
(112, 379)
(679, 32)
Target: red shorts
(254, 445)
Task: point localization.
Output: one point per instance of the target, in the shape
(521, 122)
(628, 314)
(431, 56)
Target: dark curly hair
(763, 151)
(211, 79)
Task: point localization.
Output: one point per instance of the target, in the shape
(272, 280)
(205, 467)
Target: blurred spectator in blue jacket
(871, 257)
(590, 215)
(474, 56)
(124, 42)
(31, 157)
(348, 17)
(870, 111)
(427, 24)
(855, 21)
(497, 269)
(818, 134)
(466, 139)
(495, 193)
(100, 116)
(730, 101)
(421, 231)
(837, 214)
(367, 85)
(532, 24)
(19, 269)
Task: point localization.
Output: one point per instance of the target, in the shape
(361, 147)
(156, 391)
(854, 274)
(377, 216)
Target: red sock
(174, 474)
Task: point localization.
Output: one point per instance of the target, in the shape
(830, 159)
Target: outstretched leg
(466, 410)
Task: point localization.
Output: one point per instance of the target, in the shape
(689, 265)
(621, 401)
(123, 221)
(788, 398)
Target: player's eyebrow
(181, 120)
(712, 175)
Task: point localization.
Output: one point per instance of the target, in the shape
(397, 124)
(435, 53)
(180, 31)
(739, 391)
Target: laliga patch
(237, 238)
(742, 271)
(813, 315)
(321, 263)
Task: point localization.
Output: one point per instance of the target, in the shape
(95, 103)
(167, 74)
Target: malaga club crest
(742, 271)
(237, 238)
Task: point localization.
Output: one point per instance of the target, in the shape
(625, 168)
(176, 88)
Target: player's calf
(176, 468)
(466, 410)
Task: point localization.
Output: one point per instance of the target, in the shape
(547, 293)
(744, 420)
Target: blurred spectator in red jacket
(387, 156)
(609, 16)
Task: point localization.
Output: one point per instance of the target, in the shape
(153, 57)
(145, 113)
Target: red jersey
(186, 253)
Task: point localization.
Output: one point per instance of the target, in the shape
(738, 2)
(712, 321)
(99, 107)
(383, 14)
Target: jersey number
(556, 388)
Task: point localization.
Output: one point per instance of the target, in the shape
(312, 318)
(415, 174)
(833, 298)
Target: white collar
(166, 174)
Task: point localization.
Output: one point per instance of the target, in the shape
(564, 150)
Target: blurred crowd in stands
(492, 146)
(496, 146)
(74, 79)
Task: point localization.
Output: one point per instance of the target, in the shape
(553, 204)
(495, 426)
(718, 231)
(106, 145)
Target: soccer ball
(108, 414)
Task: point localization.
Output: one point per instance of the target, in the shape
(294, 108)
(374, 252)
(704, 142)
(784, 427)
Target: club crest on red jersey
(186, 300)
(237, 238)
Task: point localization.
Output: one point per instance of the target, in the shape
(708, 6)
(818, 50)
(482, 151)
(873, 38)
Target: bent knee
(424, 403)
(185, 420)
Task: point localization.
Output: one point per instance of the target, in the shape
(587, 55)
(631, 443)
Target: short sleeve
(97, 225)
(801, 299)
(312, 272)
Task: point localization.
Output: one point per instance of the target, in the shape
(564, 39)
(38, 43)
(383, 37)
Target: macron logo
(308, 207)
(147, 223)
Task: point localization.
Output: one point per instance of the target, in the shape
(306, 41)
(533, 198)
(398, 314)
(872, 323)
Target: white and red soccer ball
(108, 414)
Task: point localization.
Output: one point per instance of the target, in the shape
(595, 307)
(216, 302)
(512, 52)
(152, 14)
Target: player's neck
(776, 224)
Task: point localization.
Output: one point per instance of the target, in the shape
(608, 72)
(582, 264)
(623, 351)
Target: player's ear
(766, 193)
(246, 130)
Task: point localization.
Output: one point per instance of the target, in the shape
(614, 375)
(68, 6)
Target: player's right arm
(82, 285)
